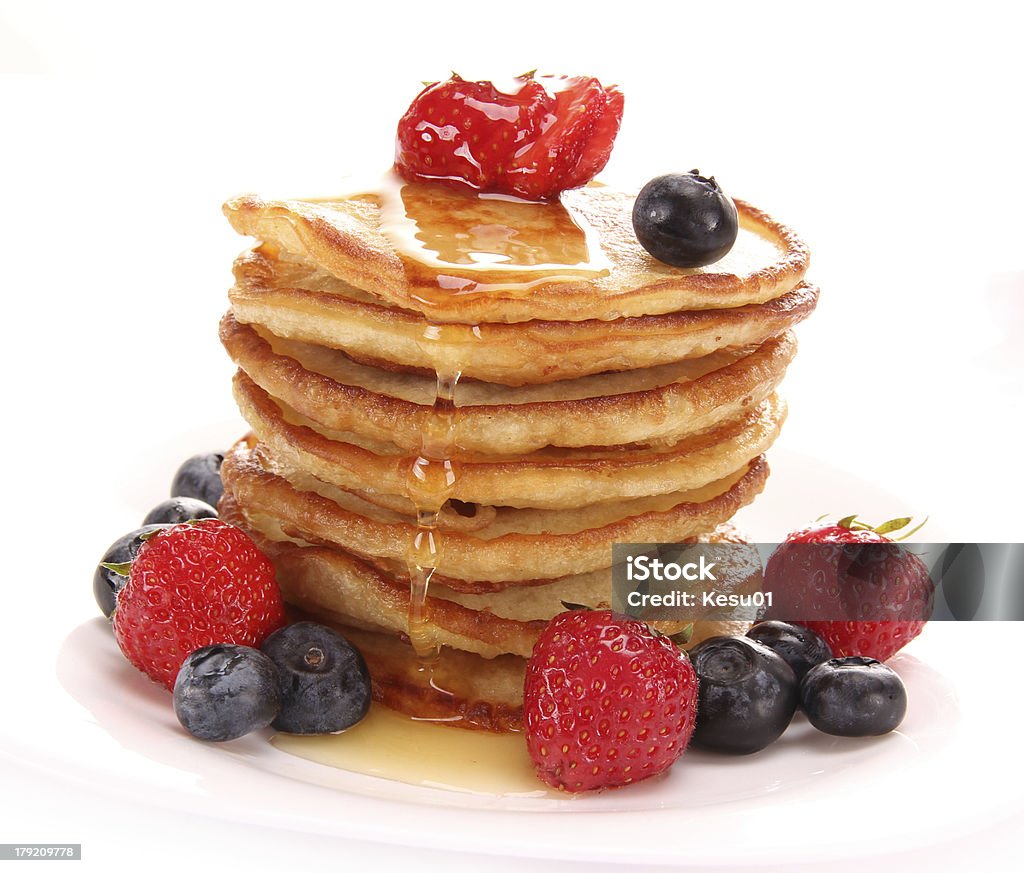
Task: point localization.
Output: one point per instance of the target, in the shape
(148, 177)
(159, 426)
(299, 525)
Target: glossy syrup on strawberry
(540, 136)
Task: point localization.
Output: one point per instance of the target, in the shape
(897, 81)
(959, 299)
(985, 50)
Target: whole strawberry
(193, 585)
(860, 591)
(543, 135)
(607, 702)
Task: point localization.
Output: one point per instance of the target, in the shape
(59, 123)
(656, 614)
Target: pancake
(365, 239)
(299, 302)
(519, 544)
(653, 405)
(549, 478)
(334, 583)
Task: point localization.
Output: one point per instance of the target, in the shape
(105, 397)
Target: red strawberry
(606, 701)
(543, 136)
(194, 585)
(860, 591)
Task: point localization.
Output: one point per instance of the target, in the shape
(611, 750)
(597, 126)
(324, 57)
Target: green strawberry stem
(121, 569)
(851, 522)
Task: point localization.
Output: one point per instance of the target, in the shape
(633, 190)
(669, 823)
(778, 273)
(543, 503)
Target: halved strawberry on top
(542, 136)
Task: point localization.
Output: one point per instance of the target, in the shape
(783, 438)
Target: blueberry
(853, 697)
(746, 695)
(106, 583)
(175, 510)
(199, 477)
(225, 692)
(798, 646)
(325, 686)
(685, 220)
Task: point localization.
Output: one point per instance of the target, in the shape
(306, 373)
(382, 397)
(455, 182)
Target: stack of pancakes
(458, 403)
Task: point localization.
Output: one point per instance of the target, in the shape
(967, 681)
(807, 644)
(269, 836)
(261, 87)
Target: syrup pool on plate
(392, 746)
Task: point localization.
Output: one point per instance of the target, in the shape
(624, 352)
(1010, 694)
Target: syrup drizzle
(431, 481)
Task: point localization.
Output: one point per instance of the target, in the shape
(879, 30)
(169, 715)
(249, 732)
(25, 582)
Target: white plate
(99, 721)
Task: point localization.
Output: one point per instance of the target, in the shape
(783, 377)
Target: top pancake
(561, 276)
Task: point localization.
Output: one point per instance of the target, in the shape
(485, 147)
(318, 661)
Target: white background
(888, 134)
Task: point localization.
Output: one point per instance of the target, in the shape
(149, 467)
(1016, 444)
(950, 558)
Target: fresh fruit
(748, 695)
(199, 477)
(853, 697)
(685, 219)
(196, 584)
(798, 646)
(105, 582)
(606, 702)
(863, 593)
(176, 510)
(325, 685)
(540, 137)
(225, 692)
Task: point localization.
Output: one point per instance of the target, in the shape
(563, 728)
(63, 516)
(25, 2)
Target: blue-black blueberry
(746, 696)
(798, 646)
(175, 510)
(685, 219)
(325, 684)
(224, 692)
(199, 477)
(854, 697)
